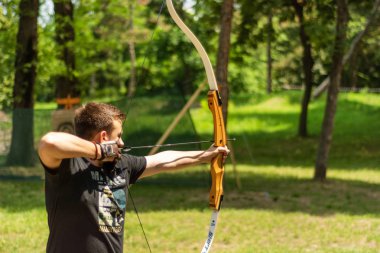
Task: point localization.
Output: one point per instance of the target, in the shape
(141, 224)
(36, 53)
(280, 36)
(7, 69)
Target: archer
(87, 179)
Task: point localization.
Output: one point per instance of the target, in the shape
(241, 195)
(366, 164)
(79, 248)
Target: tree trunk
(223, 54)
(371, 21)
(269, 53)
(132, 53)
(65, 35)
(307, 62)
(22, 145)
(333, 90)
(353, 69)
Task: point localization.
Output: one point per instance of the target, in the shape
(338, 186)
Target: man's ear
(103, 136)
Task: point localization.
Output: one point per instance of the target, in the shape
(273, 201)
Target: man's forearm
(63, 145)
(56, 146)
(172, 160)
(175, 159)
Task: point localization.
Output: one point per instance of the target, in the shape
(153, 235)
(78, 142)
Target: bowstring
(138, 217)
(129, 104)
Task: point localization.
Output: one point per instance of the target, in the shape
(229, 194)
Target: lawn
(278, 209)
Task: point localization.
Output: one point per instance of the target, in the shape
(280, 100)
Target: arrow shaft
(126, 149)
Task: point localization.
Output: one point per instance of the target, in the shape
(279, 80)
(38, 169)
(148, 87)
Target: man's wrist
(97, 152)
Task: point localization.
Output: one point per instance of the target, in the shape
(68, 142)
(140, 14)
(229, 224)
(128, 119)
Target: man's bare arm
(173, 160)
(56, 146)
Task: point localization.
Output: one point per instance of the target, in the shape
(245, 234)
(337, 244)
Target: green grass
(279, 208)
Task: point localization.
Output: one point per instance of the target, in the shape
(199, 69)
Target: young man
(87, 179)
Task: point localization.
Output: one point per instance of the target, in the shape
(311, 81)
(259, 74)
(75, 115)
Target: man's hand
(213, 151)
(109, 151)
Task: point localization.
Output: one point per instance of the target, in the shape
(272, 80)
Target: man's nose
(120, 143)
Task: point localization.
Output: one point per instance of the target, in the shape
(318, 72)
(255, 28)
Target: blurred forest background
(104, 34)
(280, 64)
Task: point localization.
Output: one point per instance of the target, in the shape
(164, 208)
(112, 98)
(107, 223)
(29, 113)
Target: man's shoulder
(68, 165)
(129, 157)
(128, 161)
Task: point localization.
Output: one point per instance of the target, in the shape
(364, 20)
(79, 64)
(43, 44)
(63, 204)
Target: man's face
(116, 133)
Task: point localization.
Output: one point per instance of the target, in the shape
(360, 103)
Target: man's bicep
(151, 167)
(156, 164)
(150, 162)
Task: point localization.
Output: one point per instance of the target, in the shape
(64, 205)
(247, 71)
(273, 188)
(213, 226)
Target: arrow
(126, 149)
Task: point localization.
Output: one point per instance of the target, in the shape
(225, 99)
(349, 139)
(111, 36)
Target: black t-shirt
(86, 204)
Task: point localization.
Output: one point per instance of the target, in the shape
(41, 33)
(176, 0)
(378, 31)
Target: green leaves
(103, 33)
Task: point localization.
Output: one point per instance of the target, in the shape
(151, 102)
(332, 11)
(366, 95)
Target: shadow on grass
(355, 144)
(189, 190)
(262, 148)
(21, 195)
(282, 194)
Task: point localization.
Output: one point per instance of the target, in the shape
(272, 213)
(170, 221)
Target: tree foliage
(166, 60)
(8, 31)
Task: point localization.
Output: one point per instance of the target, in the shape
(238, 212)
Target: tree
(22, 145)
(223, 53)
(105, 44)
(65, 35)
(269, 52)
(372, 20)
(333, 90)
(353, 69)
(307, 65)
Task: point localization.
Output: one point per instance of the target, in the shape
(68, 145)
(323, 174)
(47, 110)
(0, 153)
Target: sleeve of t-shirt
(135, 165)
(51, 171)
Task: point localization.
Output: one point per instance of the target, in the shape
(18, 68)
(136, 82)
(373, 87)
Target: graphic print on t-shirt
(112, 201)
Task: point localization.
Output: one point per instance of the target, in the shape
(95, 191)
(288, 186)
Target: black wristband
(96, 151)
(102, 152)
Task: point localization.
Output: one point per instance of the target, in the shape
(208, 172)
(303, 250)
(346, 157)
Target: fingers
(225, 155)
(224, 159)
(225, 151)
(109, 150)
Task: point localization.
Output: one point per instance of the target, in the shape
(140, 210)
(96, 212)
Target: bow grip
(220, 140)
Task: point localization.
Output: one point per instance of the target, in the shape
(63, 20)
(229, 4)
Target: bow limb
(215, 105)
(202, 52)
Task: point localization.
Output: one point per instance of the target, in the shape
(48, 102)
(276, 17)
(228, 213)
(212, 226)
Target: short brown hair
(95, 117)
